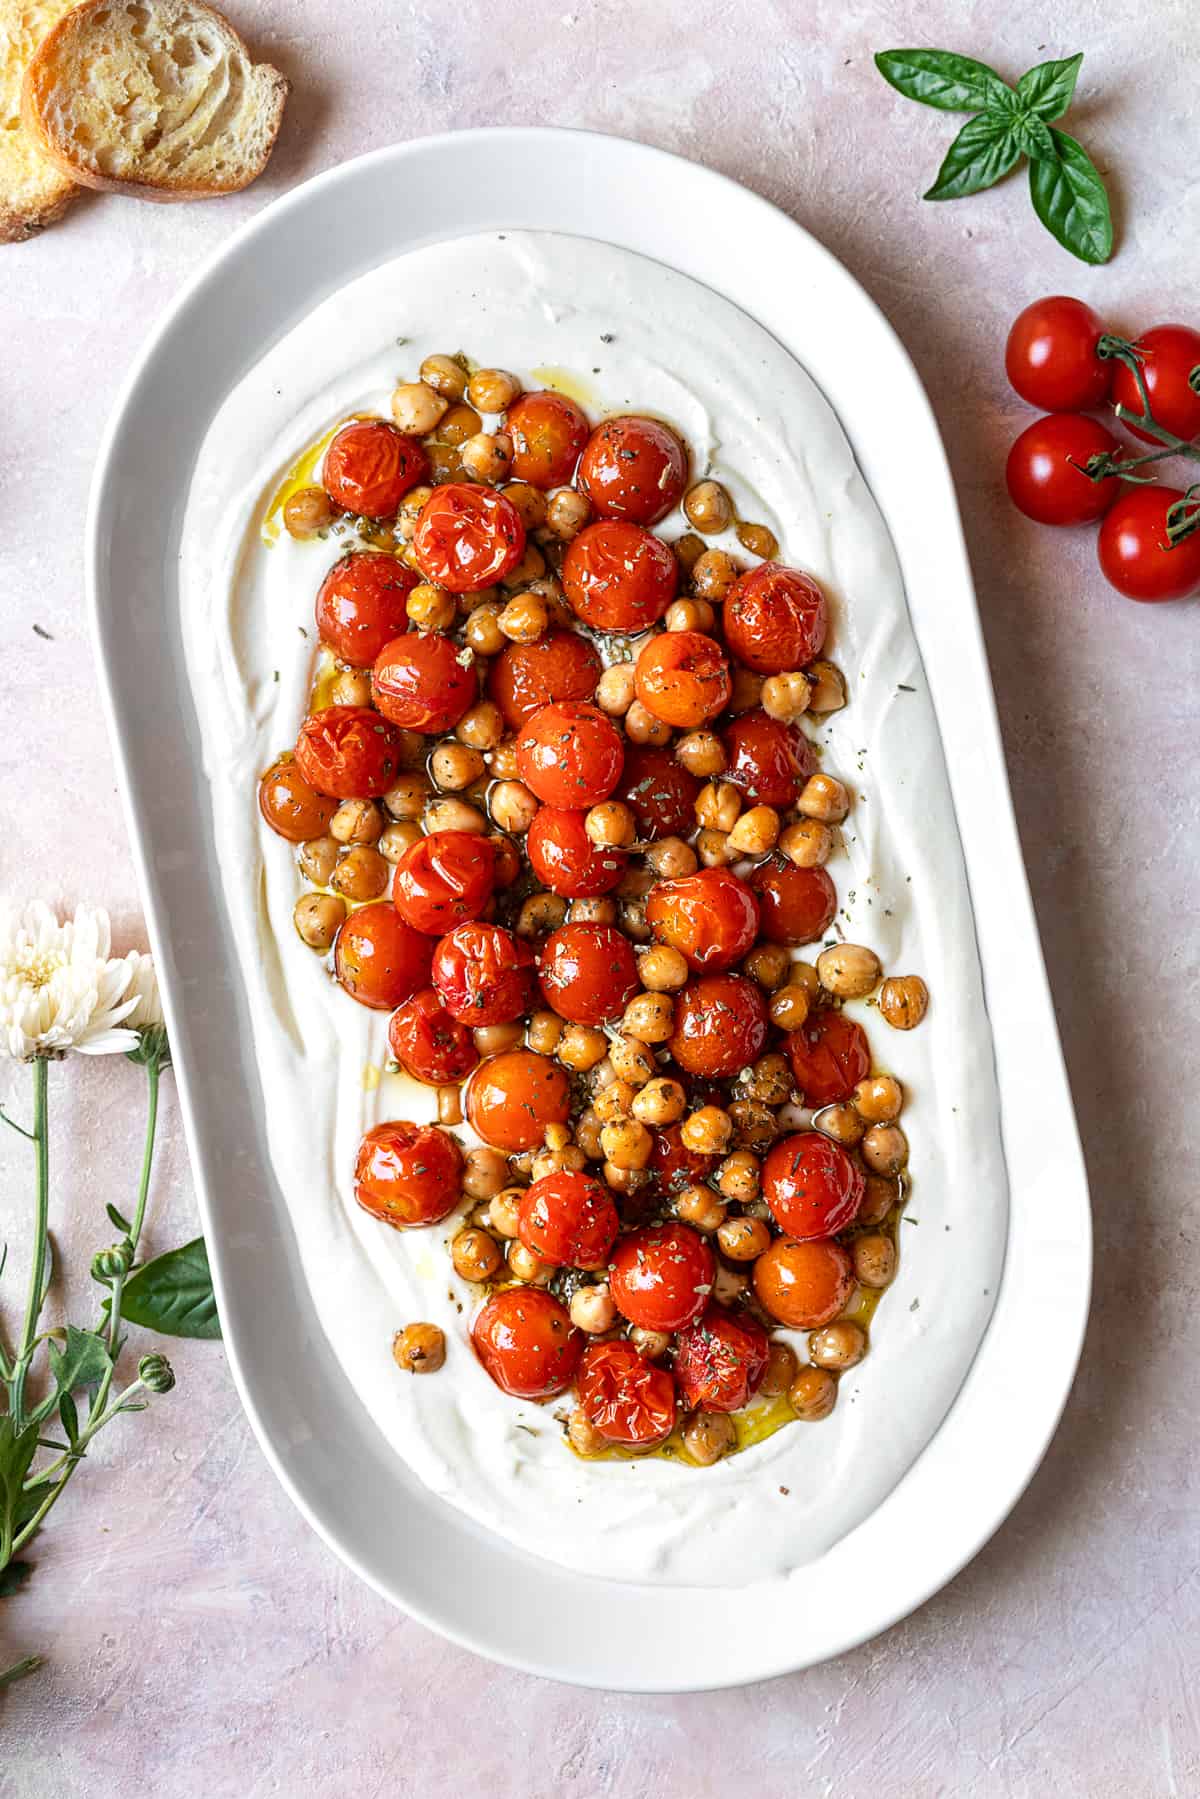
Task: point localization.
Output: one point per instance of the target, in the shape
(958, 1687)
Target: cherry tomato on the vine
(1169, 355)
(1137, 556)
(1045, 470)
(1051, 356)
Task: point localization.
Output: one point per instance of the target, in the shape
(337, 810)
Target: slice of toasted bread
(33, 190)
(157, 98)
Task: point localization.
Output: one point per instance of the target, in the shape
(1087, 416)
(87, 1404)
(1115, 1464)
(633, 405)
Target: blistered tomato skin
(484, 974)
(467, 537)
(710, 917)
(803, 1285)
(511, 1098)
(290, 806)
(362, 604)
(633, 468)
(569, 754)
(683, 679)
(1134, 556)
(588, 973)
(768, 760)
(661, 1277)
(720, 1026)
(562, 665)
(812, 1186)
(408, 1175)
(564, 858)
(548, 431)
(673, 1166)
(659, 791)
(379, 959)
(568, 1219)
(527, 1343)
(627, 1399)
(424, 682)
(443, 880)
(348, 752)
(428, 1042)
(1051, 356)
(829, 1056)
(796, 905)
(618, 577)
(720, 1360)
(775, 619)
(1045, 470)
(370, 466)
(1168, 354)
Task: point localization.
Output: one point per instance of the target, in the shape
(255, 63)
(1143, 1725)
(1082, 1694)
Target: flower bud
(156, 1373)
(111, 1264)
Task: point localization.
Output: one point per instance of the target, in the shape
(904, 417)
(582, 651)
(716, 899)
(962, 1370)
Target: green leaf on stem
(13, 1578)
(1069, 198)
(70, 1418)
(29, 1665)
(1033, 137)
(174, 1294)
(17, 1449)
(116, 1218)
(984, 150)
(1048, 89)
(940, 78)
(81, 1362)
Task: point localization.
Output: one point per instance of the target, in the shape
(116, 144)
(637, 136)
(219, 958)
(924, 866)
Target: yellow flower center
(38, 968)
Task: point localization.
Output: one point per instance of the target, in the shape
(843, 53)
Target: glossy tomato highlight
(424, 681)
(527, 1343)
(775, 619)
(512, 1097)
(348, 752)
(618, 577)
(408, 1175)
(467, 537)
(660, 1277)
(720, 1360)
(568, 1219)
(633, 468)
(370, 466)
(443, 879)
(710, 917)
(626, 1398)
(362, 604)
(812, 1186)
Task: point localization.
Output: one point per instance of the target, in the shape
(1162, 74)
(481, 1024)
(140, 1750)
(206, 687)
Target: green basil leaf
(984, 150)
(13, 1578)
(942, 79)
(1033, 136)
(1069, 198)
(1049, 89)
(173, 1294)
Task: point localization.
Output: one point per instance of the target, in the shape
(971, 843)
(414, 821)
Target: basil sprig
(1066, 187)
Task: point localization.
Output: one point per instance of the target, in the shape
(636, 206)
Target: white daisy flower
(59, 987)
(147, 1012)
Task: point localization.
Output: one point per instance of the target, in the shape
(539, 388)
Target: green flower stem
(19, 1670)
(152, 1074)
(41, 1226)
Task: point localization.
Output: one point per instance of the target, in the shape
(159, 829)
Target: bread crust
(34, 191)
(19, 223)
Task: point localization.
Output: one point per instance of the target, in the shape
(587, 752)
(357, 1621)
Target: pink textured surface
(200, 1638)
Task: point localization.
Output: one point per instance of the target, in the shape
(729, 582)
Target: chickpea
(633, 920)
(789, 1007)
(582, 1434)
(317, 917)
(350, 687)
(742, 1239)
(728, 1285)
(410, 511)
(808, 843)
(738, 1177)
(488, 456)
(567, 512)
(308, 512)
(523, 1265)
(700, 1207)
(828, 687)
(632, 1061)
(525, 618)
(825, 798)
(615, 689)
(530, 502)
(418, 408)
(454, 815)
(879, 1099)
(904, 1001)
(689, 615)
(672, 858)
(459, 425)
(419, 1348)
(707, 1131)
(746, 690)
(661, 1101)
(494, 1039)
(702, 753)
(758, 540)
(840, 1345)
(513, 809)
(454, 766)
(543, 1032)
(481, 728)
(555, 1161)
(503, 761)
(485, 1172)
(475, 1254)
(362, 873)
(635, 883)
(713, 849)
(641, 726)
(611, 825)
(592, 1309)
(842, 1123)
(780, 1371)
(649, 1343)
(755, 1126)
(317, 859)
(717, 806)
(407, 798)
(482, 630)
(626, 1143)
(805, 975)
(531, 568)
(431, 608)
(708, 507)
(688, 550)
(880, 1196)
(713, 574)
(492, 390)
(662, 969)
(650, 1017)
(755, 832)
(874, 1258)
(707, 1436)
(786, 696)
(396, 838)
(587, 1133)
(769, 964)
(504, 1212)
(885, 1149)
(770, 1080)
(445, 375)
(613, 1103)
(597, 909)
(850, 970)
(622, 1180)
(445, 464)
(813, 1394)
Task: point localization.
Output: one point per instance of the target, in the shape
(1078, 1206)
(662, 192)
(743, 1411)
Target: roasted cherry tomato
(796, 905)
(568, 1219)
(428, 1042)
(775, 619)
(803, 1285)
(619, 577)
(562, 665)
(588, 972)
(682, 678)
(348, 752)
(633, 468)
(720, 1360)
(444, 879)
(769, 761)
(812, 1186)
(408, 1174)
(547, 431)
(1045, 470)
(720, 1025)
(484, 974)
(1051, 356)
(1136, 555)
(370, 466)
(564, 858)
(290, 806)
(512, 1097)
(569, 754)
(1170, 355)
(467, 537)
(379, 959)
(527, 1343)
(625, 1397)
(673, 1166)
(830, 1056)
(424, 681)
(362, 604)
(661, 1277)
(659, 790)
(710, 917)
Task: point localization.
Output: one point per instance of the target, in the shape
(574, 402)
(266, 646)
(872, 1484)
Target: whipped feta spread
(620, 333)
